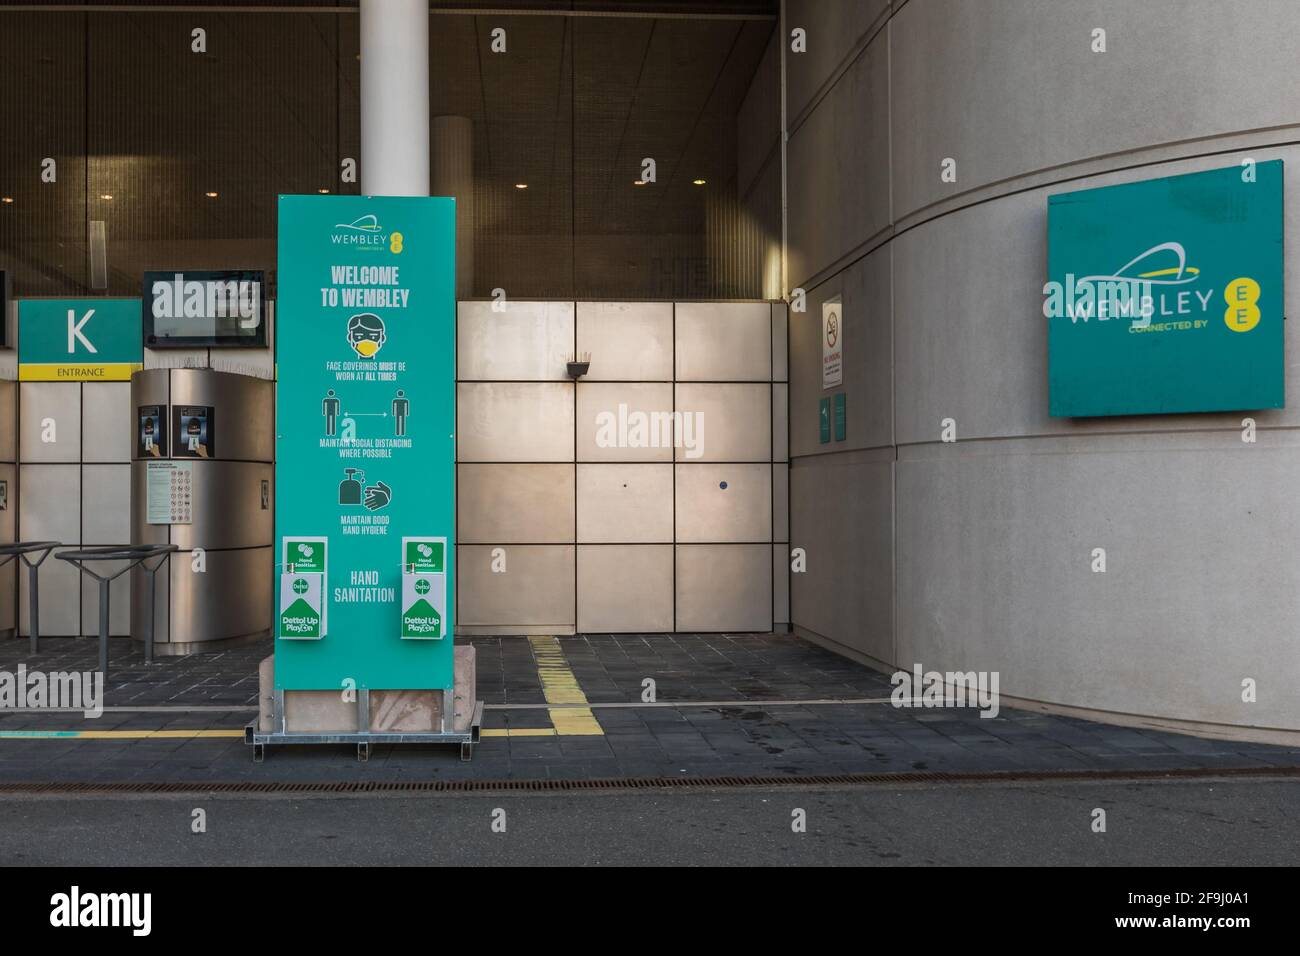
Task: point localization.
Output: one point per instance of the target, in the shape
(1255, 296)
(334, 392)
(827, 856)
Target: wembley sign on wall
(1167, 295)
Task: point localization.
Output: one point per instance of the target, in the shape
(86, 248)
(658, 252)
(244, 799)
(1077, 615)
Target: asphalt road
(1240, 822)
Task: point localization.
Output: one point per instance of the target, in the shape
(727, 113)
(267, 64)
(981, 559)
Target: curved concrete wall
(976, 555)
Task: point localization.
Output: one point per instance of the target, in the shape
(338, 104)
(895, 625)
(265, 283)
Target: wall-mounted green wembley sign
(1166, 295)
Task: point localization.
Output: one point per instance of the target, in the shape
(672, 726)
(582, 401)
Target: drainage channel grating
(634, 783)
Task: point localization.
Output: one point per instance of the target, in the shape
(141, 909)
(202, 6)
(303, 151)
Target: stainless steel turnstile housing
(229, 601)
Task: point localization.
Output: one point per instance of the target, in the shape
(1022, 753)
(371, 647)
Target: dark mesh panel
(128, 111)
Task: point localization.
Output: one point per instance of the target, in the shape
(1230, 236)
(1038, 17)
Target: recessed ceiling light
(211, 195)
(521, 185)
(698, 182)
(638, 182)
(6, 199)
(106, 196)
(322, 191)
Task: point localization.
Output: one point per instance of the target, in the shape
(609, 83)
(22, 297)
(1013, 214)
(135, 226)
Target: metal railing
(131, 555)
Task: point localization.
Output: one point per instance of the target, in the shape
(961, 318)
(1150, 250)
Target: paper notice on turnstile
(169, 492)
(301, 617)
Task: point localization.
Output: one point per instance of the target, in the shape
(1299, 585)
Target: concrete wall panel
(625, 588)
(628, 341)
(622, 503)
(724, 342)
(841, 515)
(838, 176)
(105, 504)
(780, 585)
(515, 504)
(536, 590)
(725, 502)
(616, 421)
(49, 509)
(724, 587)
(514, 421)
(52, 405)
(525, 341)
(833, 30)
(106, 432)
(995, 571)
(733, 422)
(1021, 90)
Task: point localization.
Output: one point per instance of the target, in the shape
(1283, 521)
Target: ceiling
(272, 106)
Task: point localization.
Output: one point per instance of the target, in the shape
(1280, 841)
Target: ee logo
(1242, 296)
(395, 243)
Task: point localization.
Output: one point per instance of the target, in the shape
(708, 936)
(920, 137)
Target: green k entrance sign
(1167, 295)
(365, 458)
(79, 340)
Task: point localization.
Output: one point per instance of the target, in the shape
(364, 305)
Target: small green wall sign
(1166, 295)
(79, 340)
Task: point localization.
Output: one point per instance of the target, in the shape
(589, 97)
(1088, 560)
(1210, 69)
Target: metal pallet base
(365, 739)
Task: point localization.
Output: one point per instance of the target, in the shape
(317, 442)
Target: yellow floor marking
(518, 732)
(559, 686)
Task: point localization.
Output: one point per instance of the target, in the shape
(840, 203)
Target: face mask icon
(366, 334)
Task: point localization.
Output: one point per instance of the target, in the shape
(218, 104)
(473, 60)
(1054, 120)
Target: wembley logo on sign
(183, 309)
(1191, 321)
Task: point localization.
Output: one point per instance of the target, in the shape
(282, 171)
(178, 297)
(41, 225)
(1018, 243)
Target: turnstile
(201, 473)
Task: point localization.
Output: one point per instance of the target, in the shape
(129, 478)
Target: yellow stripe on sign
(80, 372)
(559, 686)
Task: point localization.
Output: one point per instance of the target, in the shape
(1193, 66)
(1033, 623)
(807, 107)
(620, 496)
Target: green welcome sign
(1166, 295)
(79, 340)
(365, 457)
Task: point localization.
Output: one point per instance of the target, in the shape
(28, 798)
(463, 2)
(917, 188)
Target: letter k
(74, 331)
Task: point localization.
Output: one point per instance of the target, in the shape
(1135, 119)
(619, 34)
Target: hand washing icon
(373, 497)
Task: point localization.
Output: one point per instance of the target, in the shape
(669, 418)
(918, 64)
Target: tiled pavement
(739, 730)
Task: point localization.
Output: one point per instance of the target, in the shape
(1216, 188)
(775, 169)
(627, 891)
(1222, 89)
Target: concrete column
(453, 175)
(395, 97)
